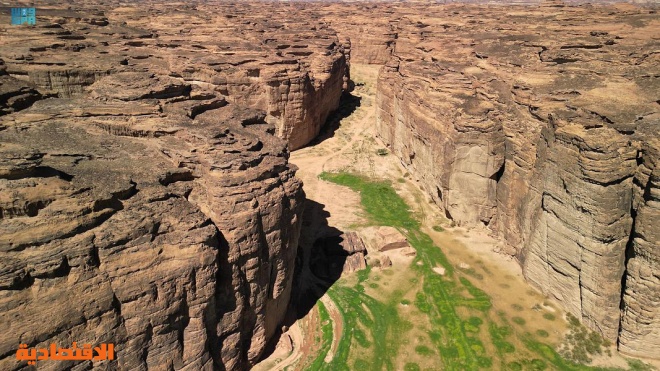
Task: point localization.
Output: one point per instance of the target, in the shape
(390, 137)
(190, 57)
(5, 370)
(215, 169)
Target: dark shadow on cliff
(347, 105)
(319, 265)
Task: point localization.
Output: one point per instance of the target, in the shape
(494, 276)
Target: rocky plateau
(146, 198)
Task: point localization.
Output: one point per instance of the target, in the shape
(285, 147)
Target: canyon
(150, 198)
(526, 129)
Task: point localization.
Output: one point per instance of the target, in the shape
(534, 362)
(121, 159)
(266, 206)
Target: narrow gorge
(293, 186)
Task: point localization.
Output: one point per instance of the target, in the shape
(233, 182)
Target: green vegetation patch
(549, 316)
(542, 333)
(518, 321)
(380, 201)
(412, 367)
(456, 309)
(580, 343)
(326, 337)
(423, 350)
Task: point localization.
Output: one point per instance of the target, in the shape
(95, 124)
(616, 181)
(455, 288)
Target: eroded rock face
(545, 131)
(640, 329)
(142, 208)
(275, 59)
(279, 60)
(171, 237)
(15, 95)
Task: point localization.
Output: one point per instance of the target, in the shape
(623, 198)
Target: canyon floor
(474, 311)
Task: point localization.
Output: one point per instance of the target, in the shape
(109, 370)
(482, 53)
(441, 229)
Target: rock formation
(544, 130)
(389, 238)
(15, 94)
(274, 59)
(144, 198)
(335, 255)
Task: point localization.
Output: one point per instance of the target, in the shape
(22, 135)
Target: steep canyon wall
(145, 197)
(544, 130)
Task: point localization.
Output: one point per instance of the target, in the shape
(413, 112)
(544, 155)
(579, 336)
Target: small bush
(637, 365)
(438, 228)
(518, 321)
(514, 366)
(381, 152)
(542, 333)
(580, 343)
(423, 350)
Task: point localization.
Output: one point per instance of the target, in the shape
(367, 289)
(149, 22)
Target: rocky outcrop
(15, 95)
(371, 42)
(267, 59)
(640, 329)
(389, 238)
(336, 255)
(278, 60)
(543, 132)
(173, 238)
(148, 211)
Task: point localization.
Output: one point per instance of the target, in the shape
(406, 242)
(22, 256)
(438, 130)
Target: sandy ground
(353, 147)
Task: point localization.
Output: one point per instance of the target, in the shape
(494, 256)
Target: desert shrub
(518, 321)
(542, 333)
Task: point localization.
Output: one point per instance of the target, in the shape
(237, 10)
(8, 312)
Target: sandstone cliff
(277, 60)
(544, 131)
(146, 202)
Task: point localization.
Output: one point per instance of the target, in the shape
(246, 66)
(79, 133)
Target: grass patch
(326, 337)
(438, 228)
(411, 367)
(454, 307)
(381, 203)
(549, 316)
(423, 350)
(518, 321)
(542, 333)
(637, 365)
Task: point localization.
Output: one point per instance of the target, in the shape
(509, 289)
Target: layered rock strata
(279, 60)
(173, 238)
(15, 95)
(145, 199)
(544, 130)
